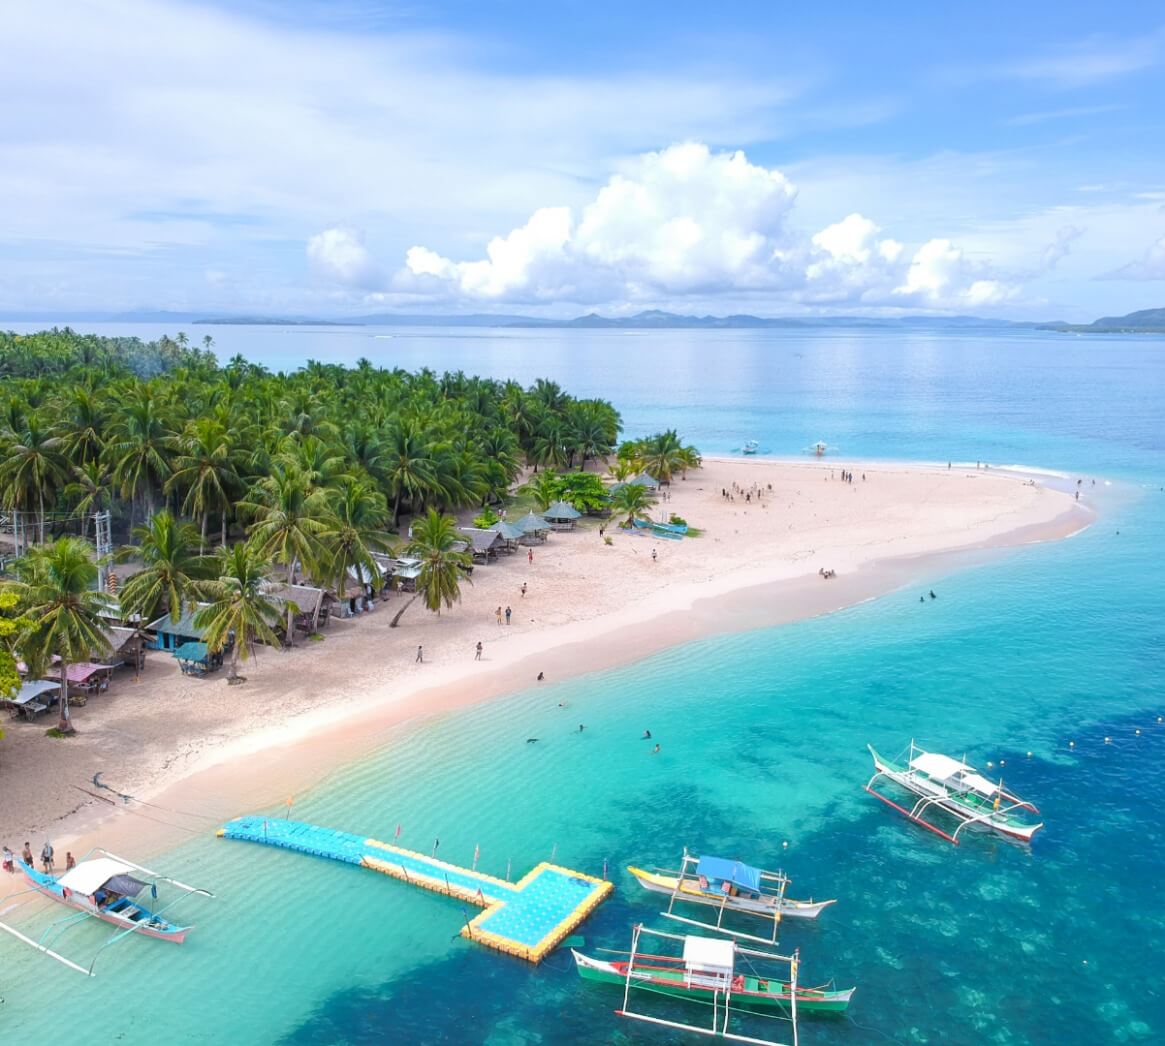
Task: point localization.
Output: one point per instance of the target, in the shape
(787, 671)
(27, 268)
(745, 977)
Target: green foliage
(584, 490)
(10, 626)
(679, 521)
(443, 568)
(633, 501)
(661, 456)
(238, 611)
(487, 519)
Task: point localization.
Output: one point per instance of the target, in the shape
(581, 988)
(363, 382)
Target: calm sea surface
(763, 739)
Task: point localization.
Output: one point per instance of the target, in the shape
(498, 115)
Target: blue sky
(340, 158)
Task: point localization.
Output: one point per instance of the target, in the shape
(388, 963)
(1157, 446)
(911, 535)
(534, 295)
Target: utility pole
(104, 544)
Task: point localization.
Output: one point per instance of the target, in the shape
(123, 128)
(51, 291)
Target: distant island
(1146, 321)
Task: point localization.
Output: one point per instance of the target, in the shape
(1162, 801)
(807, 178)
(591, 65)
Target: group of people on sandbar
(827, 574)
(748, 493)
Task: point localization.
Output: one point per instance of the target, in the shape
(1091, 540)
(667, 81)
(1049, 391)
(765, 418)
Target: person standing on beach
(653, 555)
(420, 659)
(508, 612)
(523, 588)
(498, 614)
(530, 556)
(70, 861)
(9, 861)
(477, 655)
(26, 855)
(46, 857)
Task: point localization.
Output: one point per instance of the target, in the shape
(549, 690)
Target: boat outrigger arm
(718, 980)
(56, 928)
(689, 876)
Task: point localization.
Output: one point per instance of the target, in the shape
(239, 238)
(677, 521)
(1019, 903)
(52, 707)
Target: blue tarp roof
(720, 868)
(192, 652)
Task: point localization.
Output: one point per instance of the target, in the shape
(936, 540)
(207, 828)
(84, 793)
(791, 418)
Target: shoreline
(262, 766)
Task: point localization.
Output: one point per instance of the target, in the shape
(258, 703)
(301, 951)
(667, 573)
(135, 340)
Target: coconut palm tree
(288, 521)
(409, 466)
(33, 470)
(207, 467)
(544, 487)
(442, 567)
(173, 574)
(238, 614)
(663, 455)
(63, 610)
(140, 446)
(632, 498)
(91, 489)
(353, 530)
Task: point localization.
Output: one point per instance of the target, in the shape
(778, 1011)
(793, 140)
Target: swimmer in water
(655, 750)
(646, 735)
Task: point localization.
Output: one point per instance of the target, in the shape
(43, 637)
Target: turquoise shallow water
(763, 742)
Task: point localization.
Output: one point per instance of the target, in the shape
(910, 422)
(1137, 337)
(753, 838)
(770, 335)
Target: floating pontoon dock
(526, 919)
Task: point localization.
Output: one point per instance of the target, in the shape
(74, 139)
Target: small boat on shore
(104, 887)
(717, 973)
(957, 788)
(728, 886)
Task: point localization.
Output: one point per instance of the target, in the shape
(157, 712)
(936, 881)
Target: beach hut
(405, 572)
(510, 534)
(87, 680)
(313, 605)
(561, 515)
(534, 528)
(168, 634)
(127, 646)
(33, 697)
(484, 544)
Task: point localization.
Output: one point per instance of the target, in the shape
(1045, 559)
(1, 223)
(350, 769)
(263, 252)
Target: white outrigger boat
(707, 972)
(959, 789)
(104, 887)
(728, 886)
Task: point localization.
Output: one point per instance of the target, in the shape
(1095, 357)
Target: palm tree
(289, 519)
(408, 466)
(352, 532)
(34, 468)
(172, 574)
(63, 610)
(545, 487)
(442, 568)
(139, 448)
(663, 455)
(238, 611)
(632, 498)
(92, 488)
(207, 467)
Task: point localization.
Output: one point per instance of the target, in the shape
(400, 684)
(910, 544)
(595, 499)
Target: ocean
(1048, 650)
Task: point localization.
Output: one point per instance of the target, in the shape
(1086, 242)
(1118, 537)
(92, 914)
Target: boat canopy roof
(944, 768)
(735, 872)
(709, 955)
(90, 876)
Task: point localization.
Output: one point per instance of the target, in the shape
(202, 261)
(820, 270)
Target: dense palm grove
(313, 468)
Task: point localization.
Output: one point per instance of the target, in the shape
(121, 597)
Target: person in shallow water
(646, 735)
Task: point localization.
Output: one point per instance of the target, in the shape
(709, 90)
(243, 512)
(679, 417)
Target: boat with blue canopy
(728, 886)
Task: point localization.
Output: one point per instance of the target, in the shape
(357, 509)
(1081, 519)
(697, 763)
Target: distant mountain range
(1144, 321)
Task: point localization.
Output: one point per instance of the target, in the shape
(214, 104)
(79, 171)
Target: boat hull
(754, 993)
(691, 893)
(937, 795)
(147, 924)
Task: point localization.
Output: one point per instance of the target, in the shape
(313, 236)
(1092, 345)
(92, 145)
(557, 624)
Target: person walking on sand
(508, 613)
(523, 588)
(9, 861)
(477, 654)
(530, 556)
(498, 614)
(653, 555)
(420, 659)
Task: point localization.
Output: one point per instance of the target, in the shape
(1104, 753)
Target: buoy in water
(1029, 755)
(1071, 744)
(1108, 740)
(785, 845)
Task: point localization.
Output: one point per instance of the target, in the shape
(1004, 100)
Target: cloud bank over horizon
(682, 223)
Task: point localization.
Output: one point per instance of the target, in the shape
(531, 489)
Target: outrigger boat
(104, 887)
(728, 886)
(715, 972)
(951, 785)
(750, 447)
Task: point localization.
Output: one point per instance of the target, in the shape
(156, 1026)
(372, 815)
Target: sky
(345, 158)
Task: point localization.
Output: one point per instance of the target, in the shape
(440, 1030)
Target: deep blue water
(763, 739)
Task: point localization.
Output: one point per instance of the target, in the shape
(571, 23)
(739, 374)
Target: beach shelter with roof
(33, 697)
(484, 544)
(313, 605)
(561, 515)
(534, 528)
(510, 533)
(168, 634)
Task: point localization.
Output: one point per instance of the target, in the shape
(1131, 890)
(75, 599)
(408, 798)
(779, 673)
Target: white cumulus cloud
(339, 255)
(685, 222)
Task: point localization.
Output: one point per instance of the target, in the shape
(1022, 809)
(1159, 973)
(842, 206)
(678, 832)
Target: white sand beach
(216, 751)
